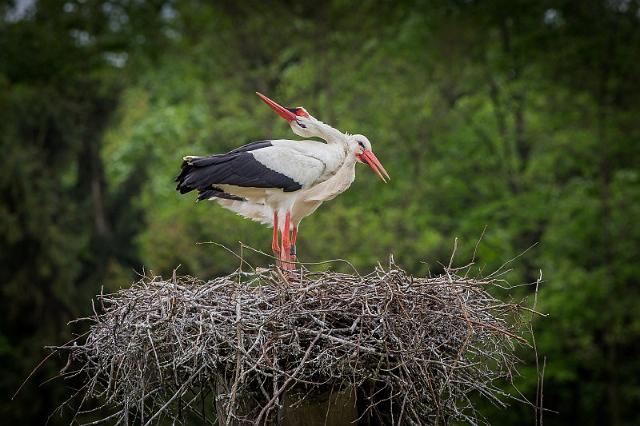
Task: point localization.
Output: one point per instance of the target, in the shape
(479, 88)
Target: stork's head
(301, 122)
(360, 147)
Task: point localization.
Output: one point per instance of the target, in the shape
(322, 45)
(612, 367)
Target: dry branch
(416, 349)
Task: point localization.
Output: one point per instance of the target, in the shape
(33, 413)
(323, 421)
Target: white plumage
(280, 182)
(306, 201)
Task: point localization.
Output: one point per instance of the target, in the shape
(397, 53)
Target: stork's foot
(292, 258)
(287, 262)
(288, 270)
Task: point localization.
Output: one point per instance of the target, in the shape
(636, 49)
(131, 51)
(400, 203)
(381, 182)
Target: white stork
(279, 182)
(310, 199)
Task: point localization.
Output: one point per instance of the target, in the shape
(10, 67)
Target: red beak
(279, 109)
(370, 158)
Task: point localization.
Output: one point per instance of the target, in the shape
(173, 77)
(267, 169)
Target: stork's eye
(299, 111)
(361, 144)
(300, 124)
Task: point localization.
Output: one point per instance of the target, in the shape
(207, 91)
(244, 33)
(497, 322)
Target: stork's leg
(294, 237)
(285, 256)
(274, 241)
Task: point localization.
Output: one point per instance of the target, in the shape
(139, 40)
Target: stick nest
(418, 350)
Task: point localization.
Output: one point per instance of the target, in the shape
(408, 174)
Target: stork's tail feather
(185, 180)
(189, 178)
(186, 168)
(202, 172)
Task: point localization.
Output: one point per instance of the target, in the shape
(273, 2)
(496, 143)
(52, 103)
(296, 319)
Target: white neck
(318, 129)
(330, 134)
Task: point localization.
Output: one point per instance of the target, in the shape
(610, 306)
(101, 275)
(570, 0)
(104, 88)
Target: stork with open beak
(279, 182)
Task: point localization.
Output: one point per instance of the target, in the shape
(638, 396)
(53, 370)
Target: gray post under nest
(255, 348)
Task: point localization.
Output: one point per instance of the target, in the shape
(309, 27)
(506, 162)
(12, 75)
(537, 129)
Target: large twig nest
(417, 350)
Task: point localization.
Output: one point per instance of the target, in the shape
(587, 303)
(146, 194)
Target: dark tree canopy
(518, 116)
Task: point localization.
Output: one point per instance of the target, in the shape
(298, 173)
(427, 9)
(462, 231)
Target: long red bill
(279, 109)
(375, 164)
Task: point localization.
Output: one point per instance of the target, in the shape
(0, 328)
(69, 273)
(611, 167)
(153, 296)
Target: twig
(422, 346)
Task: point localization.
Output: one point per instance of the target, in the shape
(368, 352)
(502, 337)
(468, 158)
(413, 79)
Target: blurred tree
(518, 116)
(61, 72)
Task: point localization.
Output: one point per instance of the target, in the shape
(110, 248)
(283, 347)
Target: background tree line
(518, 116)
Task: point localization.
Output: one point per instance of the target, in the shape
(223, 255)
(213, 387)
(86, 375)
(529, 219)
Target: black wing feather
(217, 192)
(252, 146)
(238, 167)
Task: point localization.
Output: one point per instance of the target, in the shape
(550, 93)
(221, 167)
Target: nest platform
(252, 348)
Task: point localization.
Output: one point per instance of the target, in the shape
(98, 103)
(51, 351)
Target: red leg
(274, 241)
(294, 237)
(286, 244)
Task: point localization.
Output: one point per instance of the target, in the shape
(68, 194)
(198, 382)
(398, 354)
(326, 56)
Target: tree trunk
(337, 408)
(332, 408)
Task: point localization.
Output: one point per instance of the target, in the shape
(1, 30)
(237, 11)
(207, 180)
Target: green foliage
(518, 117)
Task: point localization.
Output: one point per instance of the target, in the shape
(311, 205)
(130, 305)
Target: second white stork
(271, 175)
